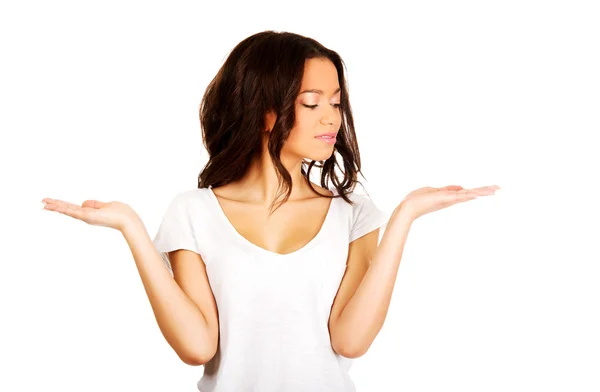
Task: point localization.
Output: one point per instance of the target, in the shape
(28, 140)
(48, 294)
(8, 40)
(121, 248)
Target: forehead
(320, 74)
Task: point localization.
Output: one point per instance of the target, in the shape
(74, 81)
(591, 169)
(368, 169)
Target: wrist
(403, 213)
(131, 225)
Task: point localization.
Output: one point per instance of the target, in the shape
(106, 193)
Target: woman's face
(317, 112)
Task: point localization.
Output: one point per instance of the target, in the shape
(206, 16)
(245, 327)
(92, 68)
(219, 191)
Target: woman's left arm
(363, 316)
(358, 322)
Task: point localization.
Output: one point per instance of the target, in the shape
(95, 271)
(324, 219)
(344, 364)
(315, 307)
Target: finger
(485, 190)
(461, 195)
(66, 208)
(64, 204)
(489, 187)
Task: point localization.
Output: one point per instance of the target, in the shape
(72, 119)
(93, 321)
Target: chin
(320, 156)
(315, 154)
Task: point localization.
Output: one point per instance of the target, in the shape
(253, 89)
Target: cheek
(299, 135)
(304, 127)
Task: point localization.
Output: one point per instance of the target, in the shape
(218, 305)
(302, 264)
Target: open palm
(113, 214)
(428, 199)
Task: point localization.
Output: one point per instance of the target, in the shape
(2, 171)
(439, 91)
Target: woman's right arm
(183, 305)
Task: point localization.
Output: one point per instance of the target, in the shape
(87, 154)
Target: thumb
(93, 204)
(451, 188)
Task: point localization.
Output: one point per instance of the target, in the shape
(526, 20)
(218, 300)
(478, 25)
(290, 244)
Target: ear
(270, 118)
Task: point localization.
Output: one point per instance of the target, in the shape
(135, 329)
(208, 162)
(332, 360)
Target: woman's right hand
(113, 214)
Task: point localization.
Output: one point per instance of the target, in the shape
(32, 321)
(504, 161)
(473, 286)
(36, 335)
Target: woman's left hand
(427, 199)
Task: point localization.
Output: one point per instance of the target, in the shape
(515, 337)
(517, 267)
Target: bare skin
(275, 233)
(363, 298)
(246, 202)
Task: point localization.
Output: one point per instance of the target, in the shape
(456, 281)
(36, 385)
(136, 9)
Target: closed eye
(335, 105)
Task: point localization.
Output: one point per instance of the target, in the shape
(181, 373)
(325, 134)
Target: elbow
(197, 358)
(349, 350)
(199, 353)
(194, 360)
(351, 353)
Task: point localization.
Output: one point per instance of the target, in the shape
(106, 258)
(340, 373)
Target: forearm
(362, 318)
(181, 322)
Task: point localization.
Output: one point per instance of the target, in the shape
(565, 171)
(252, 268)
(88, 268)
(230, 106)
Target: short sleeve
(176, 230)
(366, 217)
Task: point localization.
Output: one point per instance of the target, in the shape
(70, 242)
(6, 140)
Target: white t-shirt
(273, 309)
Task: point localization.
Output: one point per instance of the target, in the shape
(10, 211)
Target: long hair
(264, 73)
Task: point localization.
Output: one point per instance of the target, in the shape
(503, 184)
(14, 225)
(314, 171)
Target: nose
(327, 120)
(330, 117)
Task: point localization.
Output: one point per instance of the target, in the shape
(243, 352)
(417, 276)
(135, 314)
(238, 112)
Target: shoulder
(325, 191)
(191, 196)
(358, 200)
(188, 204)
(363, 215)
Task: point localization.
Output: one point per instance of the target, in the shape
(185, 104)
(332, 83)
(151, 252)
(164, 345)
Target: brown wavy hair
(264, 73)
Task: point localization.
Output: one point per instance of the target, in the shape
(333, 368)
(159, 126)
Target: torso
(293, 225)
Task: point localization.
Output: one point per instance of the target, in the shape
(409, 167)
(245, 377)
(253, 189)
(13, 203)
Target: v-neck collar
(244, 241)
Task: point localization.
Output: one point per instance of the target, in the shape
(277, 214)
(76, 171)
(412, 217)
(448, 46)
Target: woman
(273, 293)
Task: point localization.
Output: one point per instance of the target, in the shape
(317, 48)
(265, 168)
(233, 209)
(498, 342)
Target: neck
(260, 183)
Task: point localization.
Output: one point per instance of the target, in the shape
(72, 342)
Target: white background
(99, 100)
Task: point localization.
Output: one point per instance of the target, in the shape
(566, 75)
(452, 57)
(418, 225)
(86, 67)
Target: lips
(329, 134)
(329, 138)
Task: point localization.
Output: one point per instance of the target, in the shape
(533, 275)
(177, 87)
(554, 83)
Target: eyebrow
(314, 90)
